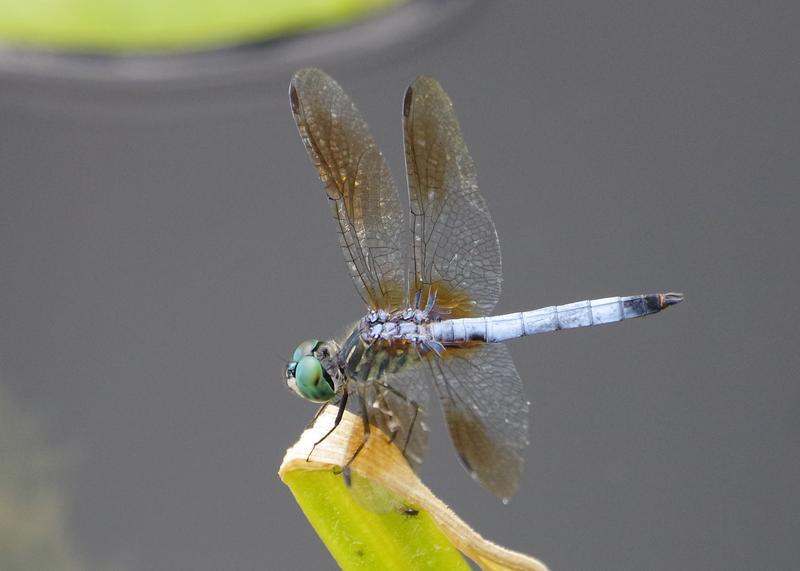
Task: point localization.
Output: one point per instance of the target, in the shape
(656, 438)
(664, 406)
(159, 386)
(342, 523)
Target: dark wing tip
(294, 99)
(407, 101)
(422, 85)
(300, 81)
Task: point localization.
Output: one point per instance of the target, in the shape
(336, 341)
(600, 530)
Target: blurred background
(165, 244)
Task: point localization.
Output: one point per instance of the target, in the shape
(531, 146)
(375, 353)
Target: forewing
(363, 196)
(456, 252)
(486, 412)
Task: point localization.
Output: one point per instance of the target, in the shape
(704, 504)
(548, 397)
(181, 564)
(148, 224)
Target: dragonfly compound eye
(311, 382)
(305, 348)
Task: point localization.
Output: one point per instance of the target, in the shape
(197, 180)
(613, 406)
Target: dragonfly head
(306, 374)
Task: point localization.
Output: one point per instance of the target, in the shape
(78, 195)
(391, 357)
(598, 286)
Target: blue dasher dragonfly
(428, 320)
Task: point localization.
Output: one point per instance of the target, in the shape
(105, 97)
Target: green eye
(311, 382)
(305, 348)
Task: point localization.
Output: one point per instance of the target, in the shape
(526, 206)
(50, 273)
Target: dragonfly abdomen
(554, 318)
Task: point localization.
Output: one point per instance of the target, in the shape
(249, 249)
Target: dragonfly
(430, 284)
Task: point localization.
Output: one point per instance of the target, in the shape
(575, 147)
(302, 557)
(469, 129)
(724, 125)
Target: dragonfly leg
(432, 345)
(316, 416)
(364, 438)
(431, 301)
(394, 435)
(339, 415)
(416, 406)
(411, 427)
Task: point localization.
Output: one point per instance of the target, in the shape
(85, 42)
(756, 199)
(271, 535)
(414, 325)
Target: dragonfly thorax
(406, 326)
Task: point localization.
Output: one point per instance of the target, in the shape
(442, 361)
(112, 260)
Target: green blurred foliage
(148, 25)
(32, 519)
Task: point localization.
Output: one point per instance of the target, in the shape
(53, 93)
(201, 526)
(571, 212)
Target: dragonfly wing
(363, 196)
(456, 252)
(407, 395)
(373, 497)
(486, 412)
(397, 404)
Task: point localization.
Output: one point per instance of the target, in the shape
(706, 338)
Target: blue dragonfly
(429, 284)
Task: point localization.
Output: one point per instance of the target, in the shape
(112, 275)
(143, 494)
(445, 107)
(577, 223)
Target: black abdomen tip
(657, 301)
(671, 298)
